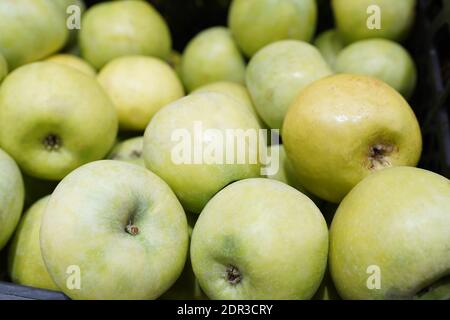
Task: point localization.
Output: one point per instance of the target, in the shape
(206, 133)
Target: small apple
(211, 56)
(278, 72)
(25, 263)
(363, 19)
(382, 59)
(119, 228)
(390, 237)
(30, 30)
(11, 197)
(181, 146)
(3, 67)
(130, 150)
(344, 127)
(114, 29)
(139, 86)
(53, 119)
(257, 23)
(329, 43)
(260, 239)
(73, 61)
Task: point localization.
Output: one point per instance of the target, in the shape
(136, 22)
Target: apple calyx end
(52, 142)
(233, 275)
(379, 156)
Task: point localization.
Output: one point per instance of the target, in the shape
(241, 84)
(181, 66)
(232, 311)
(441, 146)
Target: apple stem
(132, 229)
(233, 275)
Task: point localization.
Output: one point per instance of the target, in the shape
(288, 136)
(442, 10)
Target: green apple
(382, 59)
(11, 197)
(119, 228)
(363, 19)
(278, 72)
(74, 62)
(25, 263)
(130, 150)
(180, 142)
(139, 86)
(54, 118)
(30, 30)
(211, 56)
(114, 29)
(235, 90)
(3, 67)
(390, 237)
(260, 239)
(344, 127)
(257, 23)
(329, 43)
(68, 12)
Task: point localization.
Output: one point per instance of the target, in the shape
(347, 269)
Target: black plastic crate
(429, 44)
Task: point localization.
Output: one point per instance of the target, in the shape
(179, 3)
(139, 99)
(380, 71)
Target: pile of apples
(92, 110)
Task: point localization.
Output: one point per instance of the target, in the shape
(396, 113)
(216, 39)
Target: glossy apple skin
(333, 126)
(114, 29)
(12, 196)
(278, 73)
(73, 62)
(25, 263)
(329, 43)
(257, 23)
(241, 227)
(382, 59)
(84, 225)
(139, 86)
(196, 184)
(397, 18)
(3, 67)
(399, 220)
(211, 56)
(46, 98)
(130, 150)
(31, 30)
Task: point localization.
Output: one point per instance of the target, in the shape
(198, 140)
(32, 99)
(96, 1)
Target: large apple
(260, 239)
(390, 237)
(54, 119)
(119, 228)
(363, 19)
(30, 30)
(3, 67)
(278, 72)
(344, 127)
(73, 61)
(129, 150)
(382, 59)
(329, 43)
(139, 86)
(257, 23)
(129, 27)
(184, 144)
(11, 196)
(25, 263)
(211, 56)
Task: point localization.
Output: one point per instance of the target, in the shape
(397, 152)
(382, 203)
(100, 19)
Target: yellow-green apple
(3, 67)
(72, 10)
(73, 61)
(390, 237)
(257, 23)
(139, 86)
(54, 118)
(113, 230)
(382, 59)
(25, 263)
(278, 72)
(30, 30)
(363, 19)
(260, 239)
(211, 56)
(344, 127)
(194, 145)
(114, 29)
(11, 196)
(329, 43)
(130, 150)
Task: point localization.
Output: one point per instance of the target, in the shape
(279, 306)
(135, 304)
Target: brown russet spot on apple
(52, 142)
(379, 155)
(233, 275)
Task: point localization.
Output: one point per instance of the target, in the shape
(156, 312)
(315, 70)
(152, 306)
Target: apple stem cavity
(233, 275)
(378, 156)
(52, 142)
